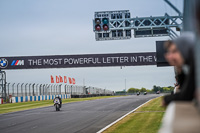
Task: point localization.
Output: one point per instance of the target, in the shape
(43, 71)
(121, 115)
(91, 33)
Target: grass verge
(13, 107)
(146, 119)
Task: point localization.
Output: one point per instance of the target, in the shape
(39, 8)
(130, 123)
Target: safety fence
(33, 89)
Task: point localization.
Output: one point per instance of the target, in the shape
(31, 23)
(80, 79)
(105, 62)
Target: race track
(77, 117)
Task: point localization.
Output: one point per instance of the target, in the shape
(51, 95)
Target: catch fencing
(33, 89)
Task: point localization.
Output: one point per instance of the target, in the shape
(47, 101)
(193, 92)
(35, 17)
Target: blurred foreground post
(183, 117)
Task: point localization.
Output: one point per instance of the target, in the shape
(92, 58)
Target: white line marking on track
(100, 131)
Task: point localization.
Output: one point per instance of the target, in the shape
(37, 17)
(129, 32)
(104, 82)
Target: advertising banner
(71, 61)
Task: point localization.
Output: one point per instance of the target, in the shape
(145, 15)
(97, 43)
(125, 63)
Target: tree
(143, 89)
(171, 88)
(155, 88)
(161, 89)
(137, 90)
(131, 90)
(166, 89)
(148, 91)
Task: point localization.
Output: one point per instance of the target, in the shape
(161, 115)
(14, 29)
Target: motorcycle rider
(138, 93)
(60, 100)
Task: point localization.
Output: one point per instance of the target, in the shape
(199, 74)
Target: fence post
(13, 89)
(40, 92)
(68, 89)
(18, 89)
(8, 88)
(74, 89)
(54, 89)
(48, 89)
(60, 88)
(43, 87)
(29, 89)
(51, 89)
(71, 89)
(22, 89)
(65, 88)
(26, 89)
(37, 90)
(33, 89)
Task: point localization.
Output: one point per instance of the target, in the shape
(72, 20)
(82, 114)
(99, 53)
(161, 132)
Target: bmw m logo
(3, 63)
(17, 63)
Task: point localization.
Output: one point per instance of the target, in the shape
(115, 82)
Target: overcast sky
(64, 27)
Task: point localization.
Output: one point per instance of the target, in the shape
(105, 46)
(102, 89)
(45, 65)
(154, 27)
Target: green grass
(13, 107)
(146, 119)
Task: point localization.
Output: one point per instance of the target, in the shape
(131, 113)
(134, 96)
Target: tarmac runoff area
(78, 117)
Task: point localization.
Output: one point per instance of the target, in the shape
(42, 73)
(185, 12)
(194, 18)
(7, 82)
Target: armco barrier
(37, 98)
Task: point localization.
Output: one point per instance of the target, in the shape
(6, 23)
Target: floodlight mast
(120, 25)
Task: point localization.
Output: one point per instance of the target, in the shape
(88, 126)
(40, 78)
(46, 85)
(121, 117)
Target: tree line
(154, 89)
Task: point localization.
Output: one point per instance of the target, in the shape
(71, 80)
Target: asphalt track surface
(78, 117)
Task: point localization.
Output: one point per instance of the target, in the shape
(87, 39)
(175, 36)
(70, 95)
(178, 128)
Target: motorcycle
(57, 104)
